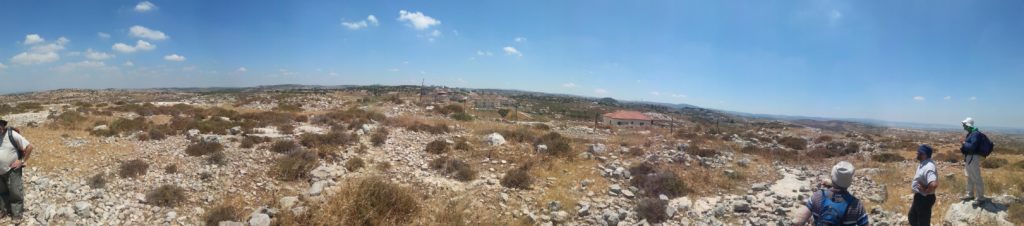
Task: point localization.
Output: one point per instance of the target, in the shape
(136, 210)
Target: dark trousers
(921, 210)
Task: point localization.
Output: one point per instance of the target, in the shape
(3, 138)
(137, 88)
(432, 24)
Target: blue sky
(911, 61)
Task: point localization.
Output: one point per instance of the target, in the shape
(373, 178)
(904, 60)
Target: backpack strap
(17, 146)
(850, 203)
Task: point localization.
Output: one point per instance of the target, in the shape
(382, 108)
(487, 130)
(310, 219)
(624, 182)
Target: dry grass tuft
(222, 212)
(296, 164)
(518, 178)
(97, 181)
(166, 196)
(458, 169)
(354, 164)
(133, 168)
(379, 137)
(284, 146)
(437, 147)
(203, 148)
(652, 209)
(367, 201)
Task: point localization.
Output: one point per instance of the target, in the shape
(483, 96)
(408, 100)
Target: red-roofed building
(627, 118)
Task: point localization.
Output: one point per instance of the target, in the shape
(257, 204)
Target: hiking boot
(16, 220)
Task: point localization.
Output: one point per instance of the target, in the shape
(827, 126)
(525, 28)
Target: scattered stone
(259, 220)
(494, 139)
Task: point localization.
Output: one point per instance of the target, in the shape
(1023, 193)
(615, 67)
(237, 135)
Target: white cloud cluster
(146, 33)
(96, 55)
(174, 57)
(241, 70)
(511, 51)
(484, 53)
(918, 98)
(569, 85)
(139, 45)
(2, 66)
(369, 21)
(40, 52)
(417, 19)
(102, 35)
(144, 6)
(32, 39)
(520, 39)
(600, 91)
(83, 65)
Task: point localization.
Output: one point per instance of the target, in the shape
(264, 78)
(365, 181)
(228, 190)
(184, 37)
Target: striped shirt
(854, 216)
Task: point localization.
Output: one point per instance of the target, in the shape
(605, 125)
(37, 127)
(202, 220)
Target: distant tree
(503, 112)
(608, 101)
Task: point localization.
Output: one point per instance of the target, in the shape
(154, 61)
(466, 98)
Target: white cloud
(32, 39)
(918, 98)
(88, 64)
(417, 19)
(146, 33)
(520, 39)
(144, 6)
(102, 35)
(484, 53)
(98, 56)
(241, 70)
(129, 63)
(972, 98)
(435, 33)
(174, 57)
(40, 52)
(655, 93)
(2, 66)
(139, 45)
(569, 85)
(511, 51)
(369, 21)
(947, 98)
(600, 91)
(675, 95)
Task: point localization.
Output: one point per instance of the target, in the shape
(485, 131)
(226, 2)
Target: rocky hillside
(363, 158)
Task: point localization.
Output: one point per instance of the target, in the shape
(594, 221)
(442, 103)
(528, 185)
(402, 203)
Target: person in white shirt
(14, 151)
(924, 184)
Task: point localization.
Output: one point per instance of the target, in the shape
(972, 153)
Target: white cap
(842, 174)
(968, 122)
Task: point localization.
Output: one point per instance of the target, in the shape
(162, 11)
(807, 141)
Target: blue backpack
(985, 145)
(833, 213)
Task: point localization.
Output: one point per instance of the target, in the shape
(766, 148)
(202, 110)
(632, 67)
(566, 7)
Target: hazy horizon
(916, 61)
